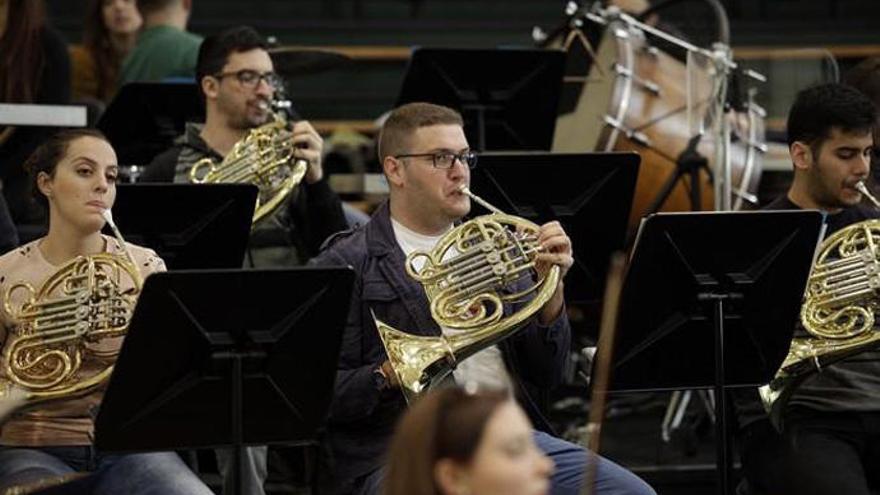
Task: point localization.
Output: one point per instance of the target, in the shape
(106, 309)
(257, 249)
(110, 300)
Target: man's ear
(394, 170)
(451, 477)
(801, 155)
(210, 87)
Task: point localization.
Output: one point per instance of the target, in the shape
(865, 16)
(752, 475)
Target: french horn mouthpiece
(863, 188)
(108, 217)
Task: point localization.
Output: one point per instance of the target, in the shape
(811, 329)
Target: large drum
(621, 93)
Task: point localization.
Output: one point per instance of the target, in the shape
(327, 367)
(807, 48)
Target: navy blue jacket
(362, 418)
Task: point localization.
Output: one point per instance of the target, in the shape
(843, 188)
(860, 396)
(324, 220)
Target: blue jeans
(570, 460)
(153, 473)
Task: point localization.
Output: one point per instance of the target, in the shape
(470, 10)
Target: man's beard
(823, 193)
(242, 120)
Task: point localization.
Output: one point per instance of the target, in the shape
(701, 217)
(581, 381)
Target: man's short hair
(215, 49)
(150, 6)
(406, 119)
(819, 109)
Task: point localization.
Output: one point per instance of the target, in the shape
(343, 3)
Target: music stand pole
(722, 442)
(237, 427)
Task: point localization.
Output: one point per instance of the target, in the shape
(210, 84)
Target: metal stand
(700, 286)
(723, 452)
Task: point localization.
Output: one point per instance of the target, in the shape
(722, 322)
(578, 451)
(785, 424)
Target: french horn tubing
(263, 158)
(838, 312)
(475, 269)
(58, 325)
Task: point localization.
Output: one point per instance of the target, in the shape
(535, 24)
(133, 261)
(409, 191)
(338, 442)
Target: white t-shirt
(484, 369)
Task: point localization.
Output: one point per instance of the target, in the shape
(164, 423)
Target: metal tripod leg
(677, 407)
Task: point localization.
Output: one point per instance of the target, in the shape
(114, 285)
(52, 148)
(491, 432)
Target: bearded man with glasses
(238, 83)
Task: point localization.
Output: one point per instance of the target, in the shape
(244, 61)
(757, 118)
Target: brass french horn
(471, 274)
(838, 312)
(60, 323)
(263, 158)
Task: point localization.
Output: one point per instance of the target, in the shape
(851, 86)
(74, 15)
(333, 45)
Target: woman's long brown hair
(21, 51)
(96, 40)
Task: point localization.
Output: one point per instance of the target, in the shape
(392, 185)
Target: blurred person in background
(110, 32)
(164, 49)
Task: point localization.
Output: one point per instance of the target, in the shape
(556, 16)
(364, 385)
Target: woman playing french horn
(67, 299)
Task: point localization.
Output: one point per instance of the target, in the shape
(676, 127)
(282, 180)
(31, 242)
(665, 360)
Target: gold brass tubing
(864, 190)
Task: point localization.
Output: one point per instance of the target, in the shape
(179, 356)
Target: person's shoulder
(146, 259)
(348, 245)
(865, 212)
(170, 155)
(346, 238)
(161, 167)
(16, 258)
(194, 39)
(182, 40)
(781, 203)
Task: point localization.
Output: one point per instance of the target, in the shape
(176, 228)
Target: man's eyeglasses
(252, 78)
(446, 159)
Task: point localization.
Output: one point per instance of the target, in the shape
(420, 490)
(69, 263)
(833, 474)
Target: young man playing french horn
(829, 442)
(426, 160)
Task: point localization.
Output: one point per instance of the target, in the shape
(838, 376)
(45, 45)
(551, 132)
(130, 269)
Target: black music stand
(711, 301)
(507, 97)
(589, 193)
(227, 358)
(145, 118)
(188, 225)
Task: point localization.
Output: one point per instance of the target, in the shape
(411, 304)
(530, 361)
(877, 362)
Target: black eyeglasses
(446, 159)
(252, 78)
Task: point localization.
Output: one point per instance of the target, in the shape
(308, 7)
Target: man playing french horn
(67, 299)
(830, 417)
(238, 83)
(426, 160)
